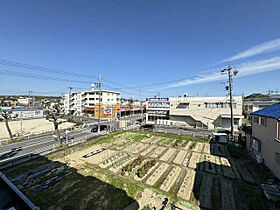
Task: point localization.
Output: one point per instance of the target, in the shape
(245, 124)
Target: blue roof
(271, 111)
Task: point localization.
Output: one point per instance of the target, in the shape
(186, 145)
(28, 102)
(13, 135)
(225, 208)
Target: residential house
(264, 141)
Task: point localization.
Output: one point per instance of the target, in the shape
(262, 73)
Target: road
(44, 143)
(36, 144)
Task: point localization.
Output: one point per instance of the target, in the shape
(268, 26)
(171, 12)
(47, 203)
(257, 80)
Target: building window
(263, 121)
(182, 106)
(256, 119)
(256, 145)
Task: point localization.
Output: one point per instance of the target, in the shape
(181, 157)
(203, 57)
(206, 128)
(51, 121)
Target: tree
(130, 104)
(6, 116)
(54, 115)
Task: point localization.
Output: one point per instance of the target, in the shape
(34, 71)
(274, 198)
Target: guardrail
(25, 203)
(181, 132)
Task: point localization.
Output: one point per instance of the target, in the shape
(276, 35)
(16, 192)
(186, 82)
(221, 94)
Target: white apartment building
(79, 103)
(206, 112)
(25, 101)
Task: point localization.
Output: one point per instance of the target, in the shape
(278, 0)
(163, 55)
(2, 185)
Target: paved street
(28, 146)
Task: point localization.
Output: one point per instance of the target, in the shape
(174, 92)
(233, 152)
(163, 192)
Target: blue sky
(135, 43)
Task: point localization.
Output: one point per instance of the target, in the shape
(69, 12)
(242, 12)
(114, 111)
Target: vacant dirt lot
(30, 127)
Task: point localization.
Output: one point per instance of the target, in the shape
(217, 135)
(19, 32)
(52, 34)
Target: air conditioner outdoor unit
(259, 159)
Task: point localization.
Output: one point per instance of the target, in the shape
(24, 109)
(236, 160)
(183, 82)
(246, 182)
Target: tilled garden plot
(210, 164)
(157, 152)
(194, 160)
(186, 160)
(33, 179)
(168, 154)
(198, 147)
(110, 157)
(118, 166)
(244, 172)
(137, 147)
(187, 147)
(205, 192)
(218, 149)
(148, 172)
(170, 179)
(226, 167)
(186, 188)
(157, 174)
(228, 201)
(206, 148)
(148, 150)
(180, 157)
(149, 140)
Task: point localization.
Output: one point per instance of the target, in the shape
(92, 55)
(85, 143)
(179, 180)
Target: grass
(29, 165)
(253, 198)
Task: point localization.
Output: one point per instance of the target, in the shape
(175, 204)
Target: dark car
(147, 127)
(102, 128)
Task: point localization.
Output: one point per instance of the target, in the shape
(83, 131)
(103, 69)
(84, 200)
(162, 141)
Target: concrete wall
(269, 146)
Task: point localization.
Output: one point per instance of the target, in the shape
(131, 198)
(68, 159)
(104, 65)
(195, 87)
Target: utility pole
(29, 96)
(69, 99)
(112, 112)
(21, 123)
(140, 93)
(230, 74)
(98, 84)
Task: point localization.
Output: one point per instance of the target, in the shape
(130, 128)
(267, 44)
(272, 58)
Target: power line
(37, 76)
(43, 69)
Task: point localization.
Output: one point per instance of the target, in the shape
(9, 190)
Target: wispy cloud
(262, 48)
(245, 69)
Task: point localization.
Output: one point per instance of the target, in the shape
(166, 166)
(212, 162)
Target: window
(182, 106)
(256, 119)
(263, 121)
(256, 145)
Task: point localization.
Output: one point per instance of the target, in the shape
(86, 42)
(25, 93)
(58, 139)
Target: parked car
(62, 137)
(147, 127)
(102, 128)
(220, 136)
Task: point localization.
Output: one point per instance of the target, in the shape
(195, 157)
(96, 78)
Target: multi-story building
(25, 101)
(263, 140)
(255, 104)
(206, 112)
(157, 109)
(86, 103)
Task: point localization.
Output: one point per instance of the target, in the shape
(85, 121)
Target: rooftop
(271, 111)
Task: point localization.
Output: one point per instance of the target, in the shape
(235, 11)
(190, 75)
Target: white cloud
(244, 69)
(262, 48)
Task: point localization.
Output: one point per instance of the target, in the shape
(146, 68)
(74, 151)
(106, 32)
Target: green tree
(55, 114)
(7, 115)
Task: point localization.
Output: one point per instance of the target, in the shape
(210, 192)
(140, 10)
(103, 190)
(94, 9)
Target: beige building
(206, 112)
(85, 103)
(264, 140)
